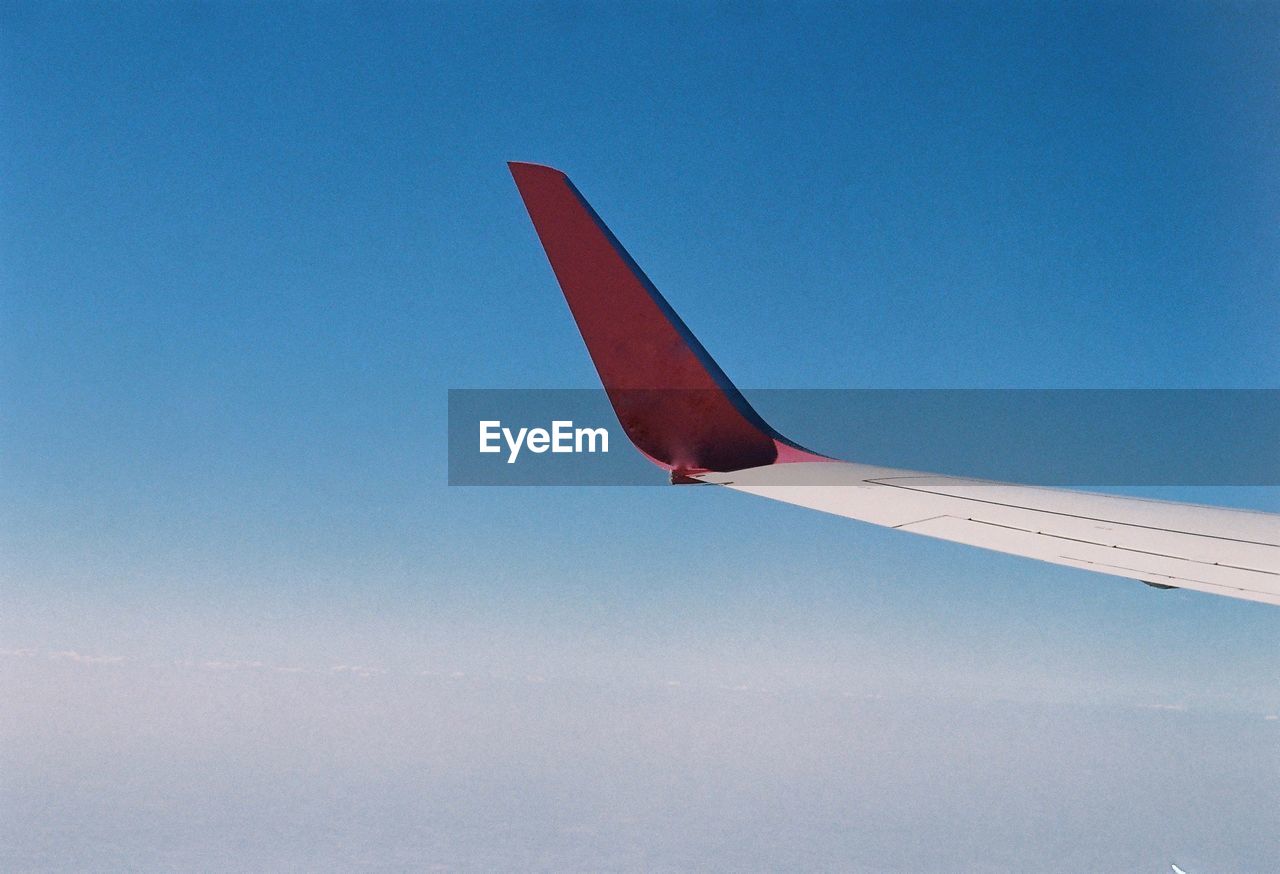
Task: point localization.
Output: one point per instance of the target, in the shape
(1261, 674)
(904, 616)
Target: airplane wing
(681, 411)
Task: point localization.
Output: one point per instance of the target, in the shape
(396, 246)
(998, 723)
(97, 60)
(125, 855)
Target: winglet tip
(525, 169)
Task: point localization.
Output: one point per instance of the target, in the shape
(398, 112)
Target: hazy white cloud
(18, 653)
(234, 665)
(357, 670)
(71, 655)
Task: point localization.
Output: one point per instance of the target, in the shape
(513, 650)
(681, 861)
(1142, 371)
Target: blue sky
(245, 251)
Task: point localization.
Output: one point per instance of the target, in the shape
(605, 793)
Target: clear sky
(246, 249)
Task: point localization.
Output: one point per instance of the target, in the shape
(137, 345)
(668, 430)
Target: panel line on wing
(885, 481)
(921, 521)
(1123, 548)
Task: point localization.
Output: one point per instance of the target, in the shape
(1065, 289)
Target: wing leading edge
(682, 412)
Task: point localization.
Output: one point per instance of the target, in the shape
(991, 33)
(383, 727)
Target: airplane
(681, 412)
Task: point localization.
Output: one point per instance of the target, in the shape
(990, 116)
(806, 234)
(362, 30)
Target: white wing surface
(1187, 546)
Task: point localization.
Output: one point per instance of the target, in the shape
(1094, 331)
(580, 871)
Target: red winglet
(671, 398)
